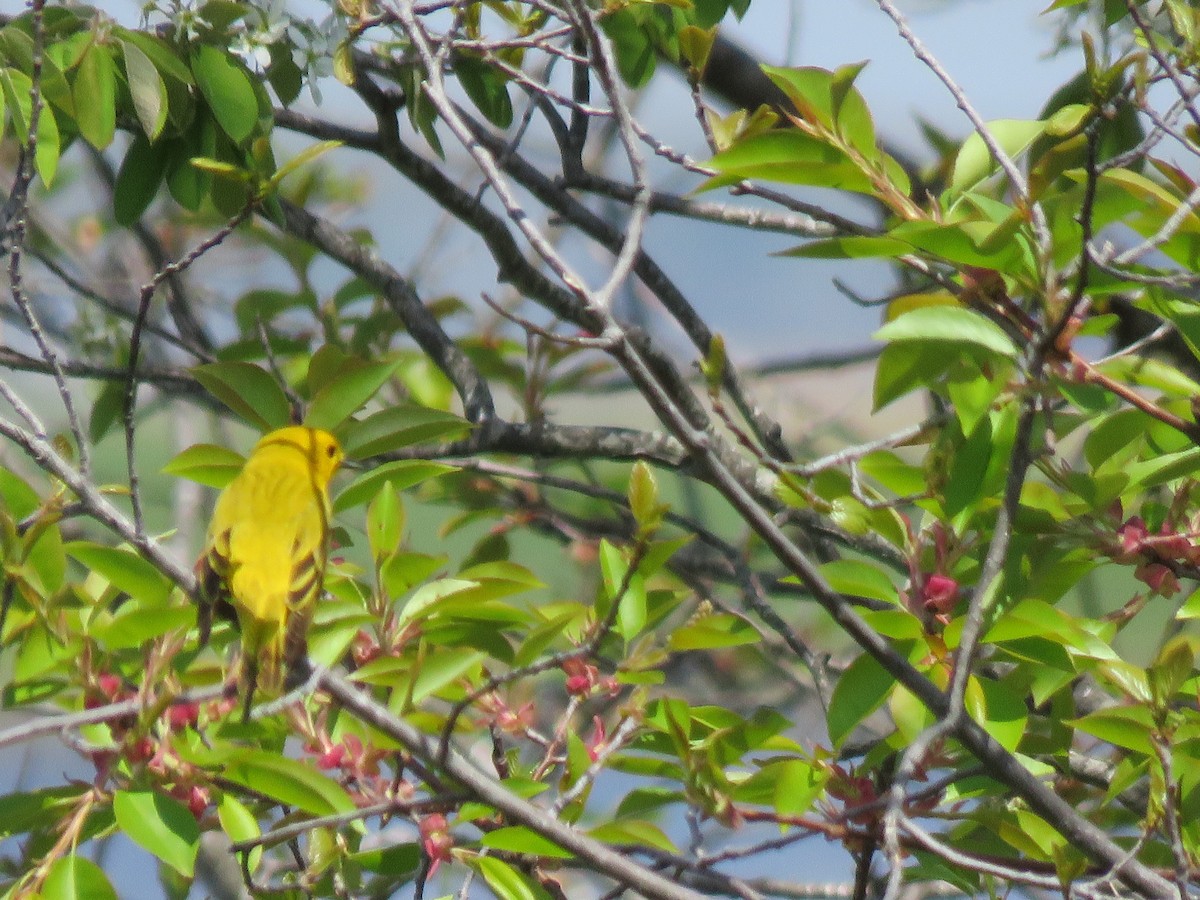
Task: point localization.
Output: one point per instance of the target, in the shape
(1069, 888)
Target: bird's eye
(331, 451)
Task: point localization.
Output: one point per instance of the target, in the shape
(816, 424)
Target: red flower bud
(331, 758)
(1160, 579)
(183, 715)
(940, 593)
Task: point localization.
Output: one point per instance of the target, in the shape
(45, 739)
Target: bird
(263, 564)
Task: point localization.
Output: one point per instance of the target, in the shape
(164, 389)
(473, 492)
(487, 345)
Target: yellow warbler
(264, 559)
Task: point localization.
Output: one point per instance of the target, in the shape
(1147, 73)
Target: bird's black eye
(331, 451)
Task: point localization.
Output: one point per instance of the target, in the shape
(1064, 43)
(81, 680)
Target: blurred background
(770, 309)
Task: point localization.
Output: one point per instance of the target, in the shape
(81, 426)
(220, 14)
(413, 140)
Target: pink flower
(436, 840)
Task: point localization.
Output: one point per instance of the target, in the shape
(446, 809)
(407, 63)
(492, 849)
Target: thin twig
(146, 295)
(17, 207)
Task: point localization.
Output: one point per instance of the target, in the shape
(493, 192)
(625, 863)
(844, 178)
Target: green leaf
(16, 87)
(239, 824)
(135, 623)
(421, 113)
(16, 49)
(808, 87)
(507, 882)
(396, 860)
(895, 474)
(285, 76)
(188, 185)
(264, 304)
(1068, 120)
(161, 825)
(139, 178)
(1164, 468)
(852, 247)
(631, 614)
(850, 113)
(400, 474)
(147, 89)
(326, 364)
(336, 622)
(798, 784)
(860, 691)
(22, 812)
(790, 157)
(905, 366)
(224, 171)
(1182, 314)
(123, 569)
(385, 522)
(1125, 726)
(972, 392)
(633, 48)
(633, 831)
(708, 632)
(520, 839)
(948, 325)
(226, 86)
(790, 786)
(972, 243)
(975, 162)
(207, 464)
(643, 497)
(1191, 607)
(965, 484)
(287, 781)
(248, 390)
(1172, 668)
(910, 716)
(109, 405)
(401, 571)
(160, 53)
(73, 877)
(343, 64)
(401, 426)
(1151, 373)
(46, 556)
(303, 158)
(469, 598)
(1147, 206)
(95, 93)
(859, 579)
(696, 43)
(345, 395)
(487, 87)
(1005, 715)
(433, 672)
(640, 801)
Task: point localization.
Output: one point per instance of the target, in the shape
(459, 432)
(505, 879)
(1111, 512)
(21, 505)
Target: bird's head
(322, 450)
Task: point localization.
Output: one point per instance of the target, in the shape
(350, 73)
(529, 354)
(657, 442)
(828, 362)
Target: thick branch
(403, 300)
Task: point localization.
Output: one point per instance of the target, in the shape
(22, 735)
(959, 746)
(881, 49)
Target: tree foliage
(555, 657)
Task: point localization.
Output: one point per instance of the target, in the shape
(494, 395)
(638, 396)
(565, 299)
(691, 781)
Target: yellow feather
(266, 550)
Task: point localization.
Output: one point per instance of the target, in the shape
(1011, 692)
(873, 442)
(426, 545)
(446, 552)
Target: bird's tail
(262, 664)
